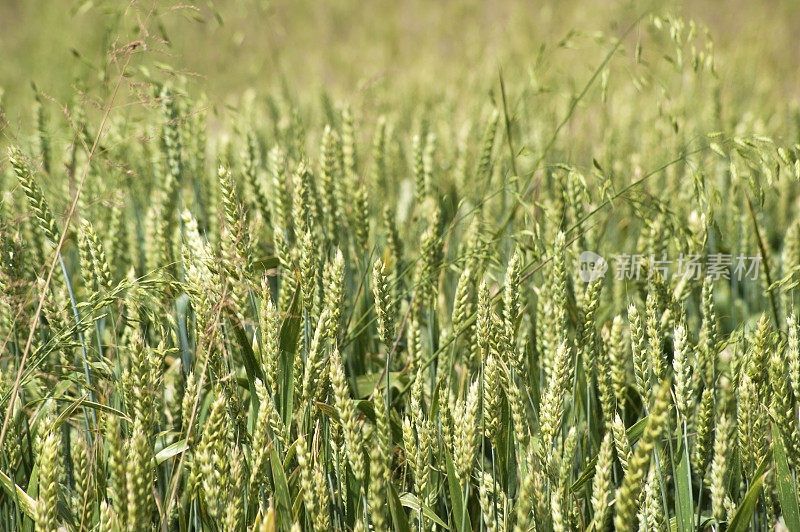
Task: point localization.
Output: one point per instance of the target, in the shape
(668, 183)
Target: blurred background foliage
(375, 54)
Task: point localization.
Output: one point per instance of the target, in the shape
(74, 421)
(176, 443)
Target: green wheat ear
(641, 366)
(485, 161)
(351, 423)
(36, 198)
(466, 431)
(97, 268)
(379, 154)
(384, 307)
(251, 168)
(601, 484)
(42, 133)
(331, 186)
(628, 494)
(704, 426)
(793, 355)
(682, 372)
(719, 468)
(49, 449)
(172, 139)
(420, 179)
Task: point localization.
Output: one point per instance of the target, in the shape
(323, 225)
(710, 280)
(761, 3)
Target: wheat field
(385, 277)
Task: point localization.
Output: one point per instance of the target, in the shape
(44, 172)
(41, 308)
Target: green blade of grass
(251, 365)
(410, 500)
(787, 487)
(456, 497)
(399, 518)
(741, 519)
(683, 486)
(290, 331)
(282, 497)
(15, 493)
(171, 450)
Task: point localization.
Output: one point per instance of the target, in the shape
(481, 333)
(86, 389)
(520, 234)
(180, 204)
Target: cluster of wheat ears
(304, 317)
